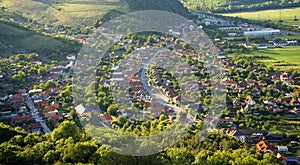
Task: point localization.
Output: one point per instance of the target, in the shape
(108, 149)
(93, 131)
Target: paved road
(36, 116)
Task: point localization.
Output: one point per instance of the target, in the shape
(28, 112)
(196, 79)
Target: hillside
(85, 12)
(238, 5)
(15, 39)
(166, 5)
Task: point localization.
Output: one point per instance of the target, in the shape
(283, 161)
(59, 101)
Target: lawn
(281, 58)
(71, 12)
(287, 15)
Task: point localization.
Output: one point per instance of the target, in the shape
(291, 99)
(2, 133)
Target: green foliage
(7, 132)
(165, 5)
(240, 5)
(65, 130)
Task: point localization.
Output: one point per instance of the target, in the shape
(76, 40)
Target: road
(36, 116)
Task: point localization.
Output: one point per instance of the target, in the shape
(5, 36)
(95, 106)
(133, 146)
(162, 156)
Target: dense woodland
(70, 145)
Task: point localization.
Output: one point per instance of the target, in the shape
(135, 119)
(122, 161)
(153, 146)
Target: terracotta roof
(106, 117)
(21, 119)
(56, 117)
(31, 126)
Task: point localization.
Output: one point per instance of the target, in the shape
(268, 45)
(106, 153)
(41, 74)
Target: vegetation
(287, 16)
(240, 5)
(68, 144)
(84, 13)
(70, 12)
(280, 58)
(15, 39)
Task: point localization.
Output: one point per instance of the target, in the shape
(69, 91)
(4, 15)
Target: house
(232, 34)
(291, 42)
(265, 147)
(248, 45)
(17, 98)
(8, 87)
(55, 119)
(20, 119)
(32, 128)
(80, 109)
(71, 57)
(248, 136)
(281, 149)
(36, 99)
(262, 46)
(35, 91)
(249, 100)
(285, 77)
(106, 119)
(3, 97)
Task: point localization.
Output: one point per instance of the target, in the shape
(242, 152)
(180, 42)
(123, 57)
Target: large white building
(264, 32)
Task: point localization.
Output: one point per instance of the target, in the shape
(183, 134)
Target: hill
(85, 12)
(238, 5)
(15, 39)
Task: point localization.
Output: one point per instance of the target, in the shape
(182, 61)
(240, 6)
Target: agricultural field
(286, 15)
(70, 12)
(287, 58)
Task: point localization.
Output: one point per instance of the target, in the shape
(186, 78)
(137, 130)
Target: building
(265, 32)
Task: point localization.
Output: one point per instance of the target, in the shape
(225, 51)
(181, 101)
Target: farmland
(286, 15)
(280, 58)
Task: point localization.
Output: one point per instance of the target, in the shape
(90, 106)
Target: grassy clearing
(287, 58)
(71, 12)
(287, 15)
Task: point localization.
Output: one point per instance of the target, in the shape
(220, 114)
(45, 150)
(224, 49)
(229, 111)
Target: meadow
(287, 15)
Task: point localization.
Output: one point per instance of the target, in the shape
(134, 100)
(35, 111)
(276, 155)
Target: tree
(65, 130)
(186, 46)
(112, 109)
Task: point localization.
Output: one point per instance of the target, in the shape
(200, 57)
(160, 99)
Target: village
(257, 97)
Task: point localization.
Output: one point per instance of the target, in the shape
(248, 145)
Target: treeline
(165, 5)
(221, 6)
(70, 145)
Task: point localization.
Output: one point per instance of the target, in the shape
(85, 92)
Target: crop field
(287, 58)
(287, 15)
(70, 12)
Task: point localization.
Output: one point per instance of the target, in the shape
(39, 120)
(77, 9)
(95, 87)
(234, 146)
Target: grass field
(287, 15)
(287, 58)
(70, 12)
(15, 40)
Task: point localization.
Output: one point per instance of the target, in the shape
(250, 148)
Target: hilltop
(84, 13)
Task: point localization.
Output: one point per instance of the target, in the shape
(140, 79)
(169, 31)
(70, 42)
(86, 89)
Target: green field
(287, 15)
(15, 40)
(68, 12)
(287, 58)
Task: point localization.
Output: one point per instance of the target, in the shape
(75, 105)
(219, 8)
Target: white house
(71, 57)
